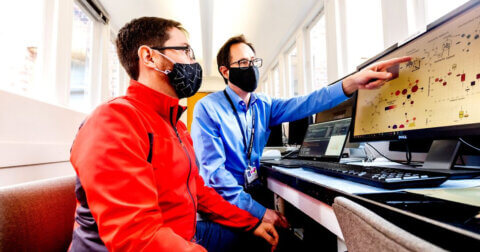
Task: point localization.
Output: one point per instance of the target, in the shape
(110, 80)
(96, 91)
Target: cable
(290, 153)
(467, 144)
(370, 154)
(408, 153)
(391, 160)
(371, 146)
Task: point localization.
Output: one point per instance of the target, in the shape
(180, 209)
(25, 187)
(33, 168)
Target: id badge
(251, 174)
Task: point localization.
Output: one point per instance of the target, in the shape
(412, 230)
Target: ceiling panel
(268, 24)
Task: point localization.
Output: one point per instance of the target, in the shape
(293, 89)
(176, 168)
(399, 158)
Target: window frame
(308, 51)
(288, 70)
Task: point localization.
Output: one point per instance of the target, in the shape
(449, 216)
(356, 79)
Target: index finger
(391, 62)
(275, 237)
(271, 234)
(274, 233)
(269, 237)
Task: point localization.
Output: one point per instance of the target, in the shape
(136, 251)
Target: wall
(191, 101)
(210, 84)
(22, 174)
(35, 138)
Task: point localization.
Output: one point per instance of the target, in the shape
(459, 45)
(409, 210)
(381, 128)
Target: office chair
(364, 230)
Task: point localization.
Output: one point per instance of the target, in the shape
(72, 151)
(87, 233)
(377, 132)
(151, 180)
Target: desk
(313, 194)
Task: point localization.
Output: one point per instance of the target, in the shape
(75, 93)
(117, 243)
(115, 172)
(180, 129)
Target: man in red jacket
(138, 186)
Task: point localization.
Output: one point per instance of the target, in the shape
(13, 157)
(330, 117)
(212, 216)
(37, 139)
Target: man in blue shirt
(223, 121)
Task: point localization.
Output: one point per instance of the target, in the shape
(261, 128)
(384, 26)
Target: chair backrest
(364, 230)
(37, 216)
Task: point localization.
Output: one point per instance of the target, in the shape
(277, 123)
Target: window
(81, 59)
(19, 45)
(263, 88)
(292, 72)
(113, 71)
(276, 82)
(266, 87)
(269, 86)
(364, 31)
(318, 49)
(434, 9)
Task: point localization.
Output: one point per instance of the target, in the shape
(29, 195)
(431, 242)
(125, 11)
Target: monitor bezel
(446, 132)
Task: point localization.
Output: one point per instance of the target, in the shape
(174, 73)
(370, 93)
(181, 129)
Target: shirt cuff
(336, 91)
(257, 210)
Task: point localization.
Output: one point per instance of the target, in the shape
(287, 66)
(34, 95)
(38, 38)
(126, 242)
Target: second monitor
(297, 130)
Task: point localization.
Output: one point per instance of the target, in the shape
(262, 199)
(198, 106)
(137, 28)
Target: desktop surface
(448, 224)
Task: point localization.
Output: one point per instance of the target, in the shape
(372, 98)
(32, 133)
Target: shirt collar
(164, 105)
(237, 100)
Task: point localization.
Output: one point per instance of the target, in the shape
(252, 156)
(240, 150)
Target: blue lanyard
(250, 146)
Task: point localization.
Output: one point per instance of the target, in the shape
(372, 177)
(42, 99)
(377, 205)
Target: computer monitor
(416, 145)
(326, 140)
(276, 136)
(342, 110)
(297, 129)
(436, 95)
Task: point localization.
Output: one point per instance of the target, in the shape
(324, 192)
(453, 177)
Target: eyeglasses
(187, 49)
(245, 63)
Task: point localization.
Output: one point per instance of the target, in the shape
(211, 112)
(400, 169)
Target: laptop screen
(325, 140)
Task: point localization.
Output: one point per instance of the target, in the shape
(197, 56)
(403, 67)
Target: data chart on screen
(439, 87)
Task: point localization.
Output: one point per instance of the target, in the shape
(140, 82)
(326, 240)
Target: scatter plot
(437, 88)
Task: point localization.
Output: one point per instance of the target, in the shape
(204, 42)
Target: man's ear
(146, 56)
(225, 72)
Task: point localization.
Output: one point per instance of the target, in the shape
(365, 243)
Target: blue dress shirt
(218, 140)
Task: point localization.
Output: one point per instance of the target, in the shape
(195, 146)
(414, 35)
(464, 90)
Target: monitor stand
(442, 154)
(442, 157)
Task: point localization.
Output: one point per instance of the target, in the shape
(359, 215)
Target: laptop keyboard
(383, 177)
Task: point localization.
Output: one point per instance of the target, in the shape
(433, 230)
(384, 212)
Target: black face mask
(186, 79)
(246, 79)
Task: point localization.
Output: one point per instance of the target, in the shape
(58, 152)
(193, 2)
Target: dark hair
(149, 31)
(223, 55)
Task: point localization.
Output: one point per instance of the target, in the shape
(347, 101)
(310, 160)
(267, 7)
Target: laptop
(322, 142)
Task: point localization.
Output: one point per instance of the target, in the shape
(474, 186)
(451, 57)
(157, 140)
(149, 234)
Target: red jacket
(136, 164)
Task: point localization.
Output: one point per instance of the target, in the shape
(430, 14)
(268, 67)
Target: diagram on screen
(438, 87)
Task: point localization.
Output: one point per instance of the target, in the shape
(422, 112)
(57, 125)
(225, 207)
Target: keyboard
(383, 177)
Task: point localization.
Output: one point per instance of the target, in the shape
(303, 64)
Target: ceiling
(268, 24)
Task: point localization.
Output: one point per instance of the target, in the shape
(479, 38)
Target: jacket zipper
(189, 172)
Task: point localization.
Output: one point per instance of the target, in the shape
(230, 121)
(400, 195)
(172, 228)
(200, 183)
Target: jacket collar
(166, 106)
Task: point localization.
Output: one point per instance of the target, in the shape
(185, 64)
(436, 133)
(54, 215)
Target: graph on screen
(439, 87)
